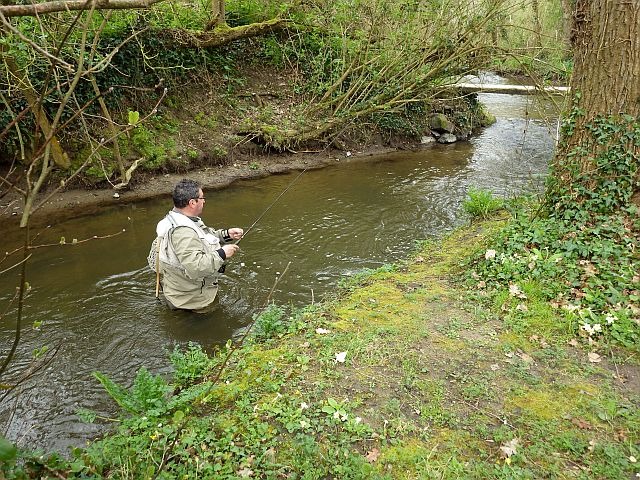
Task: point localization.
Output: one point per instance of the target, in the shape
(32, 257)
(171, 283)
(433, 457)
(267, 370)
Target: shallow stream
(96, 299)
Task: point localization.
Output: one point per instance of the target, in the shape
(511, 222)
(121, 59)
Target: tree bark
(34, 9)
(606, 45)
(600, 148)
(567, 22)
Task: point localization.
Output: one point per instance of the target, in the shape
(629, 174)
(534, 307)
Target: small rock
(447, 138)
(440, 123)
(116, 195)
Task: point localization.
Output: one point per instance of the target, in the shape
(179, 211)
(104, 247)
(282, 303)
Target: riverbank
(411, 371)
(76, 202)
(203, 140)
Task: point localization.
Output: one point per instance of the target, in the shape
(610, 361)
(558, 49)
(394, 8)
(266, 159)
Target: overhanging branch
(69, 5)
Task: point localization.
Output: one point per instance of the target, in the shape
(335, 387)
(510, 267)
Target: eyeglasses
(198, 198)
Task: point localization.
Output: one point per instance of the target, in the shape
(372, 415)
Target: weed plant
(585, 268)
(481, 204)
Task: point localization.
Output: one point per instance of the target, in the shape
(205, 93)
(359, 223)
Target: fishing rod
(272, 204)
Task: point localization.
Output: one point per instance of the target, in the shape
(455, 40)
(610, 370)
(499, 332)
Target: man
(190, 254)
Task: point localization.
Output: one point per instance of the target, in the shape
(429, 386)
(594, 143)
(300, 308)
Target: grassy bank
(407, 373)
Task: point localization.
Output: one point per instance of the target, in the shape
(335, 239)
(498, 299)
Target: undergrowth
(584, 268)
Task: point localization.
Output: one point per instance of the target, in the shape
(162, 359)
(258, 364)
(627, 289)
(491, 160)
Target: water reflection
(96, 300)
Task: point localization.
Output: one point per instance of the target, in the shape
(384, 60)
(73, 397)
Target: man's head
(187, 195)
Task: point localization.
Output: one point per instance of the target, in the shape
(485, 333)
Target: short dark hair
(184, 191)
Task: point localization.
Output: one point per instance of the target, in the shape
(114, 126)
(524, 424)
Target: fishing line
(272, 204)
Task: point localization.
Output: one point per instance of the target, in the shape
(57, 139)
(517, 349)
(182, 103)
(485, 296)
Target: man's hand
(230, 249)
(235, 233)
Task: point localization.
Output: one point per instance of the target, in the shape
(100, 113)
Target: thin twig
(214, 381)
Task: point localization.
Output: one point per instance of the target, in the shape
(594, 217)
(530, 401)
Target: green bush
(270, 323)
(191, 364)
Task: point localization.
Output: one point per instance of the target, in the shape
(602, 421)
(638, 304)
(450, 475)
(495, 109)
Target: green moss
(404, 460)
(552, 402)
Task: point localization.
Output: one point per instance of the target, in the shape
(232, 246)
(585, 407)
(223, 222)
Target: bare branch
(73, 5)
(33, 45)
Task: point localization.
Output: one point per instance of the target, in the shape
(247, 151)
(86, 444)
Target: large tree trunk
(567, 22)
(596, 168)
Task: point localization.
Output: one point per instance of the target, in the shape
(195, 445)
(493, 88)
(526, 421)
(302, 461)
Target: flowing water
(96, 299)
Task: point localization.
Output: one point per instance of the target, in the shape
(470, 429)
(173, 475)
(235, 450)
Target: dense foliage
(360, 63)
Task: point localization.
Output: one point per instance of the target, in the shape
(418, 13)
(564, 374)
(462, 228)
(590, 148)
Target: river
(95, 300)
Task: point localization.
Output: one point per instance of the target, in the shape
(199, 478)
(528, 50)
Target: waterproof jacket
(190, 257)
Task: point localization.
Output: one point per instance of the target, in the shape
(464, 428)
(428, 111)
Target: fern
(147, 395)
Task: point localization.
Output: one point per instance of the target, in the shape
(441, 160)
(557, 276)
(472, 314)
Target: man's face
(199, 203)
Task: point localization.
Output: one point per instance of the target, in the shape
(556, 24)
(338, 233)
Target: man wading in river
(187, 255)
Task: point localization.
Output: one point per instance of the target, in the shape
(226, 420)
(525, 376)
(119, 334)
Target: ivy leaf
(178, 416)
(8, 450)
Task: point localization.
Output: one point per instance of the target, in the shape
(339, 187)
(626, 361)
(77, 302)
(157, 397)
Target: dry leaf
(509, 448)
(322, 331)
(495, 367)
(573, 342)
(514, 291)
(340, 357)
(270, 454)
(245, 472)
(581, 424)
(373, 455)
(526, 358)
(594, 357)
(621, 435)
